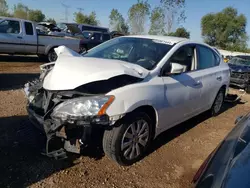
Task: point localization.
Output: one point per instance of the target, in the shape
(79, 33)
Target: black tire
(52, 56)
(112, 139)
(214, 111)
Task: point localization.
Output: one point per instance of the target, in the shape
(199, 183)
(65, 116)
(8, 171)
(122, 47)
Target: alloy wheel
(135, 139)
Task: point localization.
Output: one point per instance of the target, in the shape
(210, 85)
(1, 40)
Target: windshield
(144, 52)
(239, 61)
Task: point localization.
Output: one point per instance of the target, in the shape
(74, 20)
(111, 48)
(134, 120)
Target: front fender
(131, 97)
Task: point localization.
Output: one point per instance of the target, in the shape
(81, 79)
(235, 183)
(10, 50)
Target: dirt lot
(172, 161)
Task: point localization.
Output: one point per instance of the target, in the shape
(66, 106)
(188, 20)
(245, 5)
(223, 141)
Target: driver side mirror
(176, 68)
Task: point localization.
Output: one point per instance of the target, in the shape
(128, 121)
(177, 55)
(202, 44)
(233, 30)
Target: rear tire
(218, 102)
(127, 142)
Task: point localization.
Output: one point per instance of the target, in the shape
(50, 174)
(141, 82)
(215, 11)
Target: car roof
(95, 26)
(168, 39)
(15, 19)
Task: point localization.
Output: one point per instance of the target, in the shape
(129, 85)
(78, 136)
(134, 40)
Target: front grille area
(238, 75)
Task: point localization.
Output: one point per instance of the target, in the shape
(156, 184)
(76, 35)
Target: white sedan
(133, 88)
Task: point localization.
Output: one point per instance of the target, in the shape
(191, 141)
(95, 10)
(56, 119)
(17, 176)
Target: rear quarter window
(217, 59)
(207, 58)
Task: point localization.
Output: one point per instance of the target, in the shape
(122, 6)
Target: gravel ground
(171, 162)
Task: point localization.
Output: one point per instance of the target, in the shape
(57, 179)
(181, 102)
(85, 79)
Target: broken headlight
(83, 106)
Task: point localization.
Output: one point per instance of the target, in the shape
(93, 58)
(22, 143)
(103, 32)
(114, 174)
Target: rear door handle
(19, 37)
(219, 78)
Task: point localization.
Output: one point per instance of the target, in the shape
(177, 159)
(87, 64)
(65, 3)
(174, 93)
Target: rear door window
(10, 26)
(206, 58)
(28, 28)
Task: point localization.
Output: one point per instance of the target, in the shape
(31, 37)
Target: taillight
(202, 167)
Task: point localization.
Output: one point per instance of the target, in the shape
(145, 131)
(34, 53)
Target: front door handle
(19, 37)
(219, 78)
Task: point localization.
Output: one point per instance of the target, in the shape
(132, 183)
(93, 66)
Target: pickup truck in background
(18, 36)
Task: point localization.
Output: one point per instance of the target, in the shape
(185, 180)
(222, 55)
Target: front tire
(127, 142)
(52, 56)
(218, 102)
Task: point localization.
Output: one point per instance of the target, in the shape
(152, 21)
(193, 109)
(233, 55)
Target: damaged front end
(240, 79)
(67, 118)
(70, 99)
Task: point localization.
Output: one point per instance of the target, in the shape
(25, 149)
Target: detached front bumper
(35, 119)
(58, 143)
(66, 137)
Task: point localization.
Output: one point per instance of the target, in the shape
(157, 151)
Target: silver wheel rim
(218, 102)
(135, 139)
(52, 56)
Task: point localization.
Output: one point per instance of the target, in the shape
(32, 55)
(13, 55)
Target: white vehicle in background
(19, 36)
(133, 88)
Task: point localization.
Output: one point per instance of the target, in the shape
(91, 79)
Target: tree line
(225, 29)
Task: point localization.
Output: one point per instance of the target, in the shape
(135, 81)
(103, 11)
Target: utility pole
(66, 11)
(80, 9)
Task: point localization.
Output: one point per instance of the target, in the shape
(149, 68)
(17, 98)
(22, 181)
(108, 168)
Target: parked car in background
(228, 165)
(81, 27)
(70, 29)
(94, 38)
(227, 58)
(133, 88)
(240, 72)
(50, 27)
(115, 34)
(91, 38)
(18, 36)
(86, 27)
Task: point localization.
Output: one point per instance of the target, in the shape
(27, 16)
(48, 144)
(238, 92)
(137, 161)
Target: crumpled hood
(72, 71)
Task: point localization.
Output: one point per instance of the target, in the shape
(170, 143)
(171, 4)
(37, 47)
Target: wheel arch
(49, 48)
(150, 111)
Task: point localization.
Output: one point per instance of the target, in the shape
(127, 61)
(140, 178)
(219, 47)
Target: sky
(195, 9)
